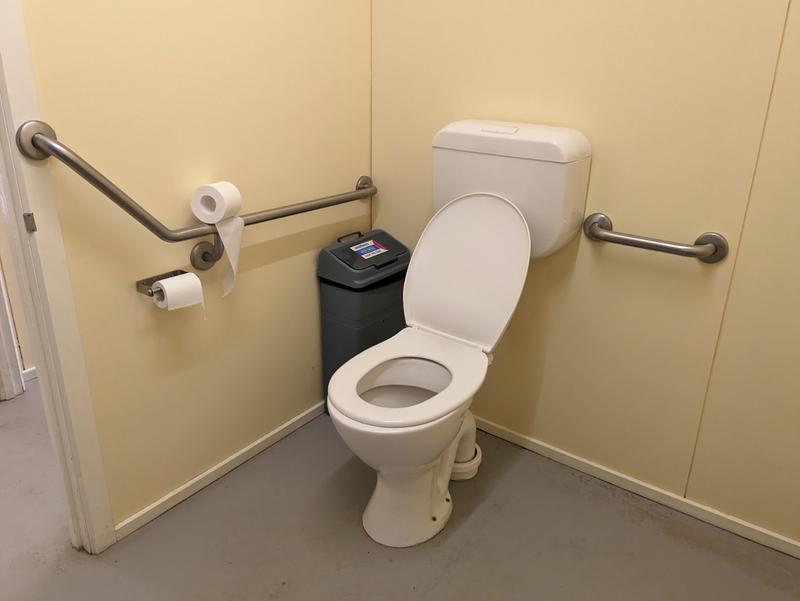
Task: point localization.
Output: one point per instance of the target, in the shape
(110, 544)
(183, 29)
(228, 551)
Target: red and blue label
(369, 249)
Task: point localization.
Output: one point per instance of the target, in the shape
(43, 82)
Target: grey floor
(286, 525)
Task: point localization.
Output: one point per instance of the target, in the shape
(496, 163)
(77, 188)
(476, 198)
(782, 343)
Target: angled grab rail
(37, 140)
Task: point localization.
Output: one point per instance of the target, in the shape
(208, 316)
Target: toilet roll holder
(145, 286)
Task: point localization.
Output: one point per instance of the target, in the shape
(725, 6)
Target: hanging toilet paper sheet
(219, 204)
(178, 292)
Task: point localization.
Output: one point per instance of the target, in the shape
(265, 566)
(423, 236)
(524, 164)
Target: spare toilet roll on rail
(219, 205)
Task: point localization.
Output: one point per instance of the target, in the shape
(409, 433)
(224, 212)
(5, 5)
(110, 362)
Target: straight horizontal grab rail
(709, 247)
(37, 140)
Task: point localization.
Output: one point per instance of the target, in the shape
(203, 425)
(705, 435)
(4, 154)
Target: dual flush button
(498, 129)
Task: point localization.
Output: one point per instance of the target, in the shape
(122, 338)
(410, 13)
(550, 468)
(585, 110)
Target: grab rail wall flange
(37, 140)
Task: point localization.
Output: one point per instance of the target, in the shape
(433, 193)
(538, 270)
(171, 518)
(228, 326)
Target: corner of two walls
(164, 98)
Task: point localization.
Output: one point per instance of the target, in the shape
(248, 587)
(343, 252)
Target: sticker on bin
(369, 249)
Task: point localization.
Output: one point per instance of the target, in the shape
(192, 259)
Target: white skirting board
(194, 485)
(29, 374)
(682, 504)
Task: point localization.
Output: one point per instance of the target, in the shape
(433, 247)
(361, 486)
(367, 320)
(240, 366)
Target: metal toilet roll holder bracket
(145, 286)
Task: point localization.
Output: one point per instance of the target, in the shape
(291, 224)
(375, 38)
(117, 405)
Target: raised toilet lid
(468, 270)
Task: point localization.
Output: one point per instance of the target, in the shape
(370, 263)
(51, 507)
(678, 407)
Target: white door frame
(41, 263)
(11, 381)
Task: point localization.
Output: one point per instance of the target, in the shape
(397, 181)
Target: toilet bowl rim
(466, 366)
(349, 422)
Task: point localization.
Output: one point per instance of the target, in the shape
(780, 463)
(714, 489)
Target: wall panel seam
(738, 246)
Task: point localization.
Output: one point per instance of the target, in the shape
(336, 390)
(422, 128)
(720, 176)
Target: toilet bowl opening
(403, 382)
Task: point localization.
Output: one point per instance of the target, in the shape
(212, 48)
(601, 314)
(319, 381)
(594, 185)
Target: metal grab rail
(709, 247)
(37, 140)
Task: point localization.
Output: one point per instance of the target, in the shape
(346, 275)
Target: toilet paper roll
(214, 202)
(178, 292)
(219, 204)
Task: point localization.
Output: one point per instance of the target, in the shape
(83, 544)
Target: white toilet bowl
(402, 407)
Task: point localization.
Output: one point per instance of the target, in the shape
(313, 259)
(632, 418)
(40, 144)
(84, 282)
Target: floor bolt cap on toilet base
(467, 469)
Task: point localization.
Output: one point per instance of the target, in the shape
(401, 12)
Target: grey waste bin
(361, 296)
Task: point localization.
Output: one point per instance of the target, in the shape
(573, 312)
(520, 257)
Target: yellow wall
(748, 454)
(163, 97)
(609, 353)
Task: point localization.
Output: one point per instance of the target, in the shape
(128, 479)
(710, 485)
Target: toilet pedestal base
(402, 511)
(412, 504)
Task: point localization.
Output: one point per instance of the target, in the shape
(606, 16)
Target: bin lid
(363, 261)
(468, 270)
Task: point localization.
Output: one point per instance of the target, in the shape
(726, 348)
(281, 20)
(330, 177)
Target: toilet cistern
(402, 406)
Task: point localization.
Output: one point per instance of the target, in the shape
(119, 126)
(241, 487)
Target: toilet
(504, 193)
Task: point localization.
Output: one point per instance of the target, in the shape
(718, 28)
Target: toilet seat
(460, 292)
(468, 269)
(467, 368)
